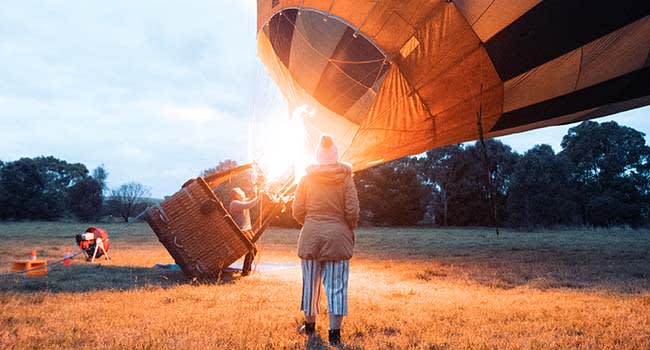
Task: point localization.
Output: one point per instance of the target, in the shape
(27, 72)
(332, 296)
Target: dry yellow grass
(409, 289)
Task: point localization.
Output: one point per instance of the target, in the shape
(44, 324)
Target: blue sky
(155, 90)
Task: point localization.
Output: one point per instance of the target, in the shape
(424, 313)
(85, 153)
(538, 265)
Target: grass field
(410, 288)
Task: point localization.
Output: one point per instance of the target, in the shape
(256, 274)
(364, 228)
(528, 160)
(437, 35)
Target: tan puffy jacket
(327, 206)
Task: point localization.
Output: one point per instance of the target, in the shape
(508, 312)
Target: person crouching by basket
(240, 211)
(327, 206)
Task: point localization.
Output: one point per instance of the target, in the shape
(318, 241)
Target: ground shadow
(610, 260)
(539, 268)
(95, 277)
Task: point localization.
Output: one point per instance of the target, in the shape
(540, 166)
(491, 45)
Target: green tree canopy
(85, 199)
(471, 205)
(439, 172)
(37, 188)
(610, 168)
(542, 192)
(391, 194)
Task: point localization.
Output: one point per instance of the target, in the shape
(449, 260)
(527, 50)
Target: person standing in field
(240, 211)
(327, 206)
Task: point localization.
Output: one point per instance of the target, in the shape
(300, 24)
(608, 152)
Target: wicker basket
(198, 231)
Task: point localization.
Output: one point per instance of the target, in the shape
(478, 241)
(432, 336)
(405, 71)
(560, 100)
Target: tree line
(601, 177)
(47, 188)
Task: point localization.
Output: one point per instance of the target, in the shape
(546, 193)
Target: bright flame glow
(281, 148)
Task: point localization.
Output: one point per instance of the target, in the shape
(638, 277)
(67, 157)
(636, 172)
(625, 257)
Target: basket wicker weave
(198, 231)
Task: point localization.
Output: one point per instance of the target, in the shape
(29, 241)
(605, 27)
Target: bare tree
(127, 199)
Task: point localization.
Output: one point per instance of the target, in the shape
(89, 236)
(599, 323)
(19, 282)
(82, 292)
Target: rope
(12, 273)
(486, 162)
(258, 256)
(134, 219)
(258, 244)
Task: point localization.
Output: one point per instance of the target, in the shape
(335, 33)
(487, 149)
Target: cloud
(157, 91)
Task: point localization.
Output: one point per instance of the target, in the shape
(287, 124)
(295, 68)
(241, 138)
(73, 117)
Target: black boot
(335, 337)
(308, 329)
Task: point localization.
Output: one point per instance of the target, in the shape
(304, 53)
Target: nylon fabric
(396, 123)
(327, 59)
(614, 108)
(519, 64)
(499, 15)
(472, 10)
(313, 43)
(555, 27)
(552, 79)
(611, 56)
(445, 40)
(565, 119)
(616, 54)
(451, 128)
(631, 86)
(391, 23)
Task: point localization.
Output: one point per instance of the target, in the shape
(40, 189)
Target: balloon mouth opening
(329, 59)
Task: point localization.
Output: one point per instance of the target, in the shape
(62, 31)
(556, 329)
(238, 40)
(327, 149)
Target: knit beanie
(326, 152)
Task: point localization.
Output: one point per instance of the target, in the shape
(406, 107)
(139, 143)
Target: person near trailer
(327, 205)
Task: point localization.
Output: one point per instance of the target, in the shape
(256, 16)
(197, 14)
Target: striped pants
(334, 276)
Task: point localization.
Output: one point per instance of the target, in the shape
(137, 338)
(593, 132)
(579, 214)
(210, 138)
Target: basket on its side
(198, 231)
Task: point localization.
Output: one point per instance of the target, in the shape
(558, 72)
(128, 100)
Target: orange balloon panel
(390, 78)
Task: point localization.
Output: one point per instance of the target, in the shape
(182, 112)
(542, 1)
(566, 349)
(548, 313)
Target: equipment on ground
(94, 243)
(31, 267)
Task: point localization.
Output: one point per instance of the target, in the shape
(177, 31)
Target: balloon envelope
(392, 78)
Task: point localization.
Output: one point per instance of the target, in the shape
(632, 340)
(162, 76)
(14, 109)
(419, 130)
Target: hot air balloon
(390, 78)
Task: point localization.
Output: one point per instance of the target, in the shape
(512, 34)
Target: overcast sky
(155, 90)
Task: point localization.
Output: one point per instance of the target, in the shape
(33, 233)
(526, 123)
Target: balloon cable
(486, 163)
